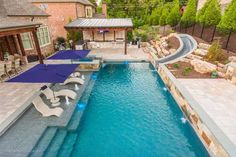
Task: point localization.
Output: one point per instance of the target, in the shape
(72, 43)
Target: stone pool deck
(109, 54)
(22, 137)
(13, 97)
(218, 98)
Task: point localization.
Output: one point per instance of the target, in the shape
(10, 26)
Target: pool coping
(5, 125)
(227, 144)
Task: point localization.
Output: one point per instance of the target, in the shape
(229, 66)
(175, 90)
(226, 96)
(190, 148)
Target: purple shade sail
(42, 73)
(69, 54)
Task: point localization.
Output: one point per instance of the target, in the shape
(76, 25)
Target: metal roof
(101, 23)
(85, 2)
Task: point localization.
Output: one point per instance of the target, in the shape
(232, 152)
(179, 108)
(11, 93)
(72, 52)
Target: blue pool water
(130, 114)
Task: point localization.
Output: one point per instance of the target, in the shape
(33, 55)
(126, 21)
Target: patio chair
(45, 110)
(9, 68)
(50, 94)
(16, 65)
(2, 71)
(74, 80)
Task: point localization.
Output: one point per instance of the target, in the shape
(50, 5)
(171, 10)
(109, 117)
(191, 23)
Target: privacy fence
(209, 34)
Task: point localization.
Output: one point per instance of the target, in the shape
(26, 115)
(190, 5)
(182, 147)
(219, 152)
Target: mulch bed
(178, 72)
(173, 43)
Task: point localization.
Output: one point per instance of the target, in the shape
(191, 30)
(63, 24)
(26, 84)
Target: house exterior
(20, 23)
(61, 11)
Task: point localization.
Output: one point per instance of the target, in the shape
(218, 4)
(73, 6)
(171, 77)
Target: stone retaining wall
(195, 115)
(204, 133)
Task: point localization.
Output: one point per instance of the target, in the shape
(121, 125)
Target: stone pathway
(218, 98)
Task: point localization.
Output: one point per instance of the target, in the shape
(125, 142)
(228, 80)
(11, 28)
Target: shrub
(60, 40)
(187, 71)
(215, 53)
(176, 66)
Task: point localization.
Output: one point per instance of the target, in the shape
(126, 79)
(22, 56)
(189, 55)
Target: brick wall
(60, 13)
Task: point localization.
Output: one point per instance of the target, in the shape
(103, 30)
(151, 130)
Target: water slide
(187, 45)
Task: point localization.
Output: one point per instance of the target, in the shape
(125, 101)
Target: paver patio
(118, 54)
(218, 98)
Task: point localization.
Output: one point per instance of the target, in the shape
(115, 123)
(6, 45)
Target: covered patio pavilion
(103, 30)
(10, 30)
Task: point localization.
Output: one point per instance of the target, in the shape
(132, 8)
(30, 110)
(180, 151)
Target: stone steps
(68, 145)
(44, 142)
(55, 143)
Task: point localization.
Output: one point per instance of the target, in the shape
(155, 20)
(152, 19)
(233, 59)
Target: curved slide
(187, 45)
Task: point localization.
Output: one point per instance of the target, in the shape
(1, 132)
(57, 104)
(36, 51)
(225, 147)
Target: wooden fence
(209, 34)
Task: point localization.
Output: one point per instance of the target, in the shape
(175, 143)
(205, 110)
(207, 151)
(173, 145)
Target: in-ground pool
(130, 113)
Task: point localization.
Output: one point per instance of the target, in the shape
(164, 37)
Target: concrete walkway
(187, 45)
(218, 98)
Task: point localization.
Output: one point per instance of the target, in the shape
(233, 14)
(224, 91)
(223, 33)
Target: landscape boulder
(232, 59)
(201, 52)
(172, 51)
(204, 46)
(203, 66)
(231, 69)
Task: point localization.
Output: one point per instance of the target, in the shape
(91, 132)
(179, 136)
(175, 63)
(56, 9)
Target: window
(89, 12)
(27, 41)
(43, 36)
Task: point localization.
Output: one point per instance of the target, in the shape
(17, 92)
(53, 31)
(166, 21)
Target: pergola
(11, 29)
(94, 25)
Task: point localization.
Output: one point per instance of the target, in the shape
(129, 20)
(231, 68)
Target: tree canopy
(210, 14)
(174, 15)
(189, 15)
(228, 20)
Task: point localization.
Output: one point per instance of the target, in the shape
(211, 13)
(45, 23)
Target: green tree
(155, 16)
(228, 20)
(73, 35)
(174, 15)
(210, 14)
(189, 16)
(164, 15)
(93, 2)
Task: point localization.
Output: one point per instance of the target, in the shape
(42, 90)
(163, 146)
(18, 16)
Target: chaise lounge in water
(50, 94)
(45, 110)
(74, 80)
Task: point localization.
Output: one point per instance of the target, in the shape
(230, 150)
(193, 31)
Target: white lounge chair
(50, 94)
(74, 80)
(75, 74)
(45, 110)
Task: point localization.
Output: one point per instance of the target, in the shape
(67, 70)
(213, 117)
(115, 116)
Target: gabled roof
(9, 23)
(20, 8)
(85, 2)
(101, 23)
(10, 8)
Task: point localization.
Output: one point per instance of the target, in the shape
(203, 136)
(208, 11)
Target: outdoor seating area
(10, 67)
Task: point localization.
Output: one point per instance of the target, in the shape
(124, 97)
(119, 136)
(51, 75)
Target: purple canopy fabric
(42, 73)
(70, 54)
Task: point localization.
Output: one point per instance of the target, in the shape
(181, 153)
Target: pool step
(75, 120)
(55, 144)
(43, 143)
(67, 147)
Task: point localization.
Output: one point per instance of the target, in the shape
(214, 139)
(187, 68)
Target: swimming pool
(128, 112)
